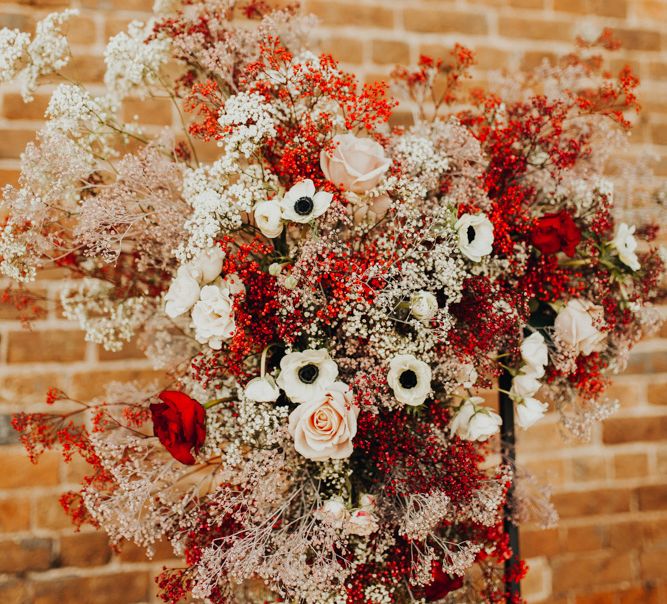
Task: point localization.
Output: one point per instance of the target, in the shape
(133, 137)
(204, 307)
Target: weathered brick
(15, 108)
(589, 503)
(443, 21)
(390, 52)
(125, 587)
(652, 497)
(638, 39)
(12, 142)
(148, 111)
(49, 514)
(43, 346)
(21, 555)
(346, 50)
(343, 13)
(656, 392)
(535, 29)
(630, 429)
(585, 570)
(605, 8)
(84, 549)
(539, 542)
(14, 514)
(630, 465)
(19, 472)
(87, 385)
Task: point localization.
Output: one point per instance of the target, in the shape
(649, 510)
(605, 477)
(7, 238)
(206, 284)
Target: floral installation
(332, 299)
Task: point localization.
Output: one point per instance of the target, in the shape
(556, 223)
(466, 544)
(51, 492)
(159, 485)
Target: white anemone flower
(410, 379)
(475, 233)
(305, 375)
(625, 244)
(302, 203)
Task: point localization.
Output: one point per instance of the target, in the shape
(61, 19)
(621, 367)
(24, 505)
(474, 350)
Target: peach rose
(323, 427)
(356, 163)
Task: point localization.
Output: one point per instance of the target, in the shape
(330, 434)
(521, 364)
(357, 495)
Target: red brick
(29, 387)
(85, 68)
(46, 346)
(343, 13)
(49, 514)
(390, 52)
(125, 587)
(630, 465)
(12, 142)
(585, 570)
(634, 429)
(81, 30)
(133, 553)
(605, 8)
(21, 555)
(15, 591)
(539, 542)
(19, 472)
(638, 39)
(149, 111)
(346, 50)
(84, 549)
(89, 384)
(428, 20)
(652, 497)
(14, 514)
(656, 393)
(584, 538)
(589, 503)
(535, 29)
(15, 108)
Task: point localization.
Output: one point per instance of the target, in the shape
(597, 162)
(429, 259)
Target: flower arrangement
(332, 299)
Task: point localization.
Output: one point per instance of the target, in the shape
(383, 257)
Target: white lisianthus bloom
(466, 375)
(625, 244)
(473, 421)
(423, 305)
(354, 162)
(269, 218)
(475, 233)
(323, 427)
(535, 354)
(213, 315)
(207, 266)
(302, 203)
(362, 523)
(262, 389)
(524, 386)
(183, 292)
(367, 501)
(410, 379)
(305, 375)
(529, 411)
(575, 326)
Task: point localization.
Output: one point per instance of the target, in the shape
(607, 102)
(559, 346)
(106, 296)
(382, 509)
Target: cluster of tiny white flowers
(13, 52)
(262, 424)
(423, 513)
(421, 163)
(108, 322)
(134, 60)
(378, 594)
(247, 120)
(16, 262)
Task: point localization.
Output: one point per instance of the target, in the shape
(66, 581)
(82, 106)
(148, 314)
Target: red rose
(441, 585)
(180, 424)
(555, 233)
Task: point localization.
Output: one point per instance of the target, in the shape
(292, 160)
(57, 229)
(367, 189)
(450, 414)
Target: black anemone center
(304, 206)
(471, 234)
(308, 373)
(408, 379)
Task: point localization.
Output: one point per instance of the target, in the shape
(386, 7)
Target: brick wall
(611, 545)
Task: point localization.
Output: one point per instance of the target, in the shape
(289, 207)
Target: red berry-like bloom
(179, 422)
(556, 232)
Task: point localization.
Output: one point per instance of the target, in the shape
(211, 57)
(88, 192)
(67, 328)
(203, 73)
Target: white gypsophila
(410, 379)
(262, 389)
(13, 52)
(246, 120)
(303, 203)
(529, 411)
(475, 234)
(105, 321)
(420, 161)
(268, 218)
(473, 421)
(304, 375)
(213, 315)
(535, 354)
(16, 261)
(134, 60)
(423, 305)
(625, 245)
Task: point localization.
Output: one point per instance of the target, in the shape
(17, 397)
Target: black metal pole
(508, 451)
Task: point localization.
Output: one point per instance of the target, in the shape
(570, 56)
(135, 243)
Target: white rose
(302, 204)
(213, 315)
(475, 233)
(535, 354)
(269, 218)
(529, 411)
(208, 265)
(423, 305)
(625, 244)
(524, 386)
(466, 375)
(305, 375)
(473, 421)
(183, 293)
(362, 523)
(574, 326)
(262, 389)
(323, 428)
(410, 379)
(335, 511)
(355, 163)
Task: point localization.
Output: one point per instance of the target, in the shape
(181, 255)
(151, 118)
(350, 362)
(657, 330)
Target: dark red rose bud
(179, 422)
(555, 233)
(441, 585)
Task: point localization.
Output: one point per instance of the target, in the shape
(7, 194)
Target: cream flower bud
(473, 421)
(535, 354)
(268, 218)
(524, 386)
(475, 233)
(183, 293)
(208, 265)
(262, 389)
(367, 501)
(466, 375)
(362, 523)
(575, 326)
(334, 509)
(423, 305)
(529, 411)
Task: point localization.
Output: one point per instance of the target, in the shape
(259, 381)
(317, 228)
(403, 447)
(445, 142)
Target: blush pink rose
(323, 427)
(355, 163)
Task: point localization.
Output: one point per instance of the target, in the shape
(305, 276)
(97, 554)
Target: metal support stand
(508, 451)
